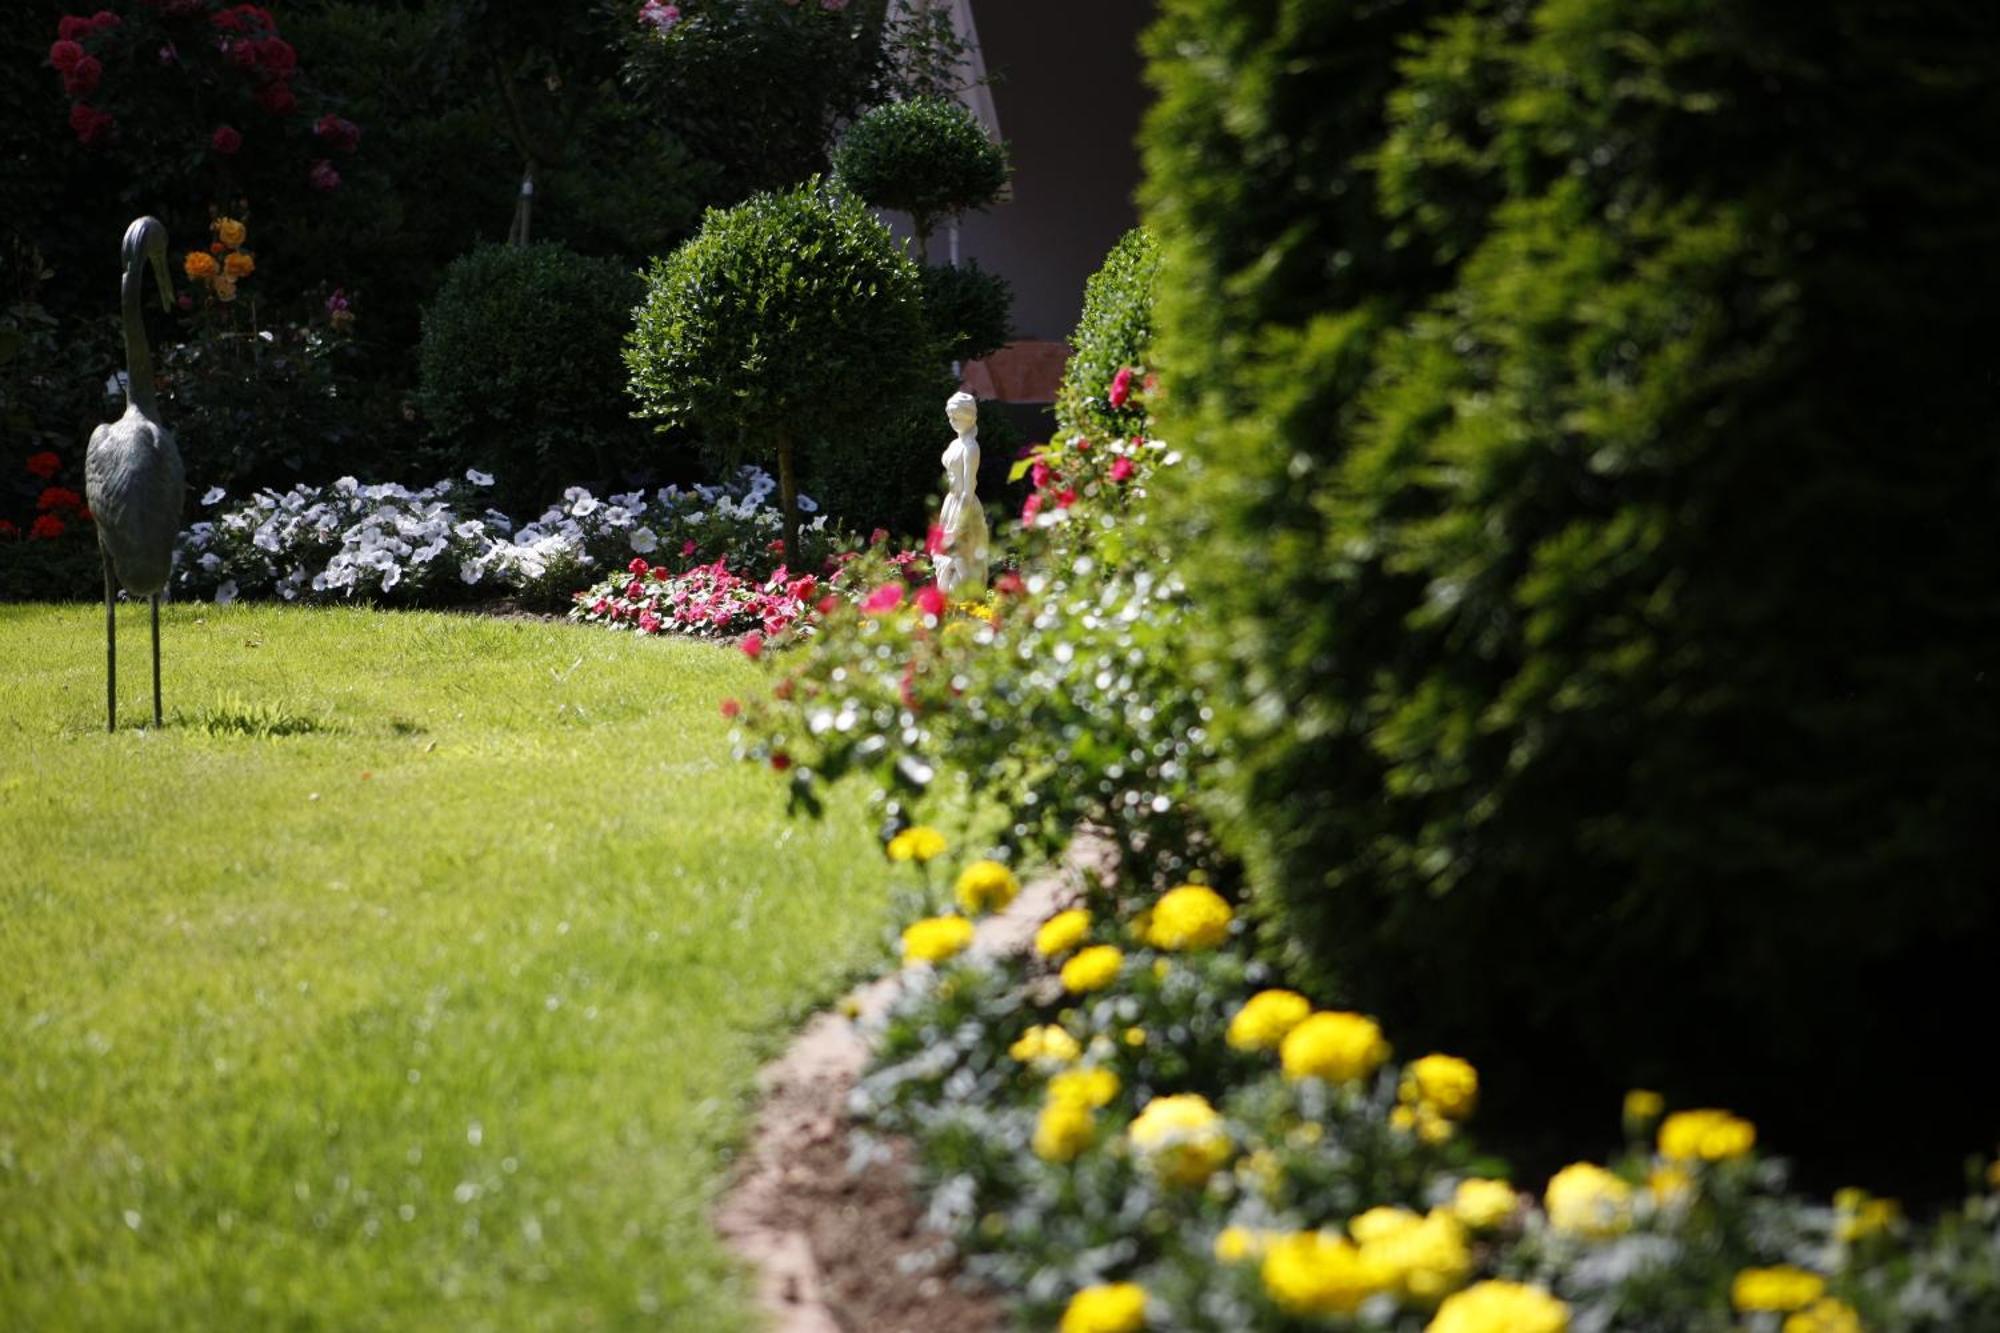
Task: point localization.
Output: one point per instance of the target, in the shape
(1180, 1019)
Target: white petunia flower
(645, 541)
(214, 496)
(478, 478)
(226, 594)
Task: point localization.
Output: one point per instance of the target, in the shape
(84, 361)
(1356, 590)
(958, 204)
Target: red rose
(226, 140)
(45, 464)
(1121, 386)
(89, 123)
(73, 29)
(648, 623)
(243, 55)
(930, 601)
(827, 604)
(341, 134)
(104, 21)
(278, 99)
(1122, 468)
(323, 177)
(66, 55)
(1066, 499)
(638, 566)
(46, 528)
(781, 761)
(82, 81)
(1040, 475)
(753, 645)
(884, 599)
(8, 530)
(276, 54)
(730, 708)
(877, 537)
(58, 497)
(1009, 584)
(1031, 508)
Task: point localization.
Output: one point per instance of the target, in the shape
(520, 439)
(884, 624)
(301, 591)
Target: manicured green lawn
(441, 1015)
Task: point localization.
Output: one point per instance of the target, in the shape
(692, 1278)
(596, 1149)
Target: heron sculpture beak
(160, 270)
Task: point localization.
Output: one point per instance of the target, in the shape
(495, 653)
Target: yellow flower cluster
(1091, 1088)
(1066, 1125)
(1706, 1136)
(1062, 932)
(1312, 1273)
(1190, 917)
(1092, 969)
(1436, 1092)
(1336, 1047)
(224, 263)
(1583, 1199)
(1643, 1107)
(1859, 1215)
(985, 886)
(936, 938)
(1265, 1018)
(1826, 1315)
(920, 843)
(1775, 1290)
(1182, 1138)
(1045, 1044)
(1484, 1204)
(1418, 1259)
(1118, 1307)
(1501, 1307)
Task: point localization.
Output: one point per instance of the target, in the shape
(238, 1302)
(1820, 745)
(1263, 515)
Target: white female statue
(962, 546)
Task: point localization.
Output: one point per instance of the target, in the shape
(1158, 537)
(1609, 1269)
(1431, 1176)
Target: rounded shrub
(790, 323)
(968, 309)
(1114, 333)
(518, 364)
(1589, 493)
(928, 157)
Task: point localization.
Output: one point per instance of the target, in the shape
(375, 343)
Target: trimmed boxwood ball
(928, 157)
(519, 347)
(968, 309)
(1115, 331)
(1591, 480)
(791, 322)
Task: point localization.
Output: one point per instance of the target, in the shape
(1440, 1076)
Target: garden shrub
(790, 323)
(1589, 505)
(519, 356)
(1114, 333)
(969, 310)
(928, 157)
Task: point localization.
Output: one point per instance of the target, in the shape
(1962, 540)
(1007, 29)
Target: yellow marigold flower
(1378, 1223)
(1500, 1307)
(919, 843)
(1118, 1307)
(1669, 1184)
(1265, 1018)
(239, 265)
(1092, 1087)
(1643, 1107)
(1092, 969)
(1062, 932)
(985, 886)
(936, 938)
(1192, 916)
(1859, 1214)
(1064, 1129)
(1135, 1036)
(1337, 1047)
(1445, 1083)
(1423, 1261)
(1045, 1044)
(1775, 1290)
(1826, 1315)
(199, 265)
(1235, 1244)
(229, 231)
(225, 288)
(1484, 1204)
(1308, 1273)
(1586, 1200)
(1706, 1136)
(1181, 1137)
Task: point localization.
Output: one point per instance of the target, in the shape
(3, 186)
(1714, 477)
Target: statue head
(962, 410)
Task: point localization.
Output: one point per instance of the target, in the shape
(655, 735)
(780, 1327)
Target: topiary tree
(1577, 398)
(928, 157)
(1114, 333)
(518, 347)
(969, 310)
(789, 320)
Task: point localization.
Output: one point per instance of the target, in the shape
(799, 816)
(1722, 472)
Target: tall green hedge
(1592, 486)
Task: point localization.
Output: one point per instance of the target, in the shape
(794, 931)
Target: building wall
(1069, 98)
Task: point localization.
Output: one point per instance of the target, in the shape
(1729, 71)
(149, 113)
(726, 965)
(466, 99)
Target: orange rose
(200, 267)
(229, 231)
(225, 288)
(239, 265)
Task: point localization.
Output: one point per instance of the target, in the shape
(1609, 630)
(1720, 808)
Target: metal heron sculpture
(132, 471)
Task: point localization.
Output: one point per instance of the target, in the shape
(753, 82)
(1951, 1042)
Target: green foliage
(928, 157)
(486, 1020)
(969, 311)
(1576, 396)
(1114, 333)
(520, 349)
(791, 321)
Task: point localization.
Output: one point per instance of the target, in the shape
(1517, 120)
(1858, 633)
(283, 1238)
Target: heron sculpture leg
(156, 661)
(110, 646)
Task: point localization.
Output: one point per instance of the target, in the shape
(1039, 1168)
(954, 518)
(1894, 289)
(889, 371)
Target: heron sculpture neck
(138, 352)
